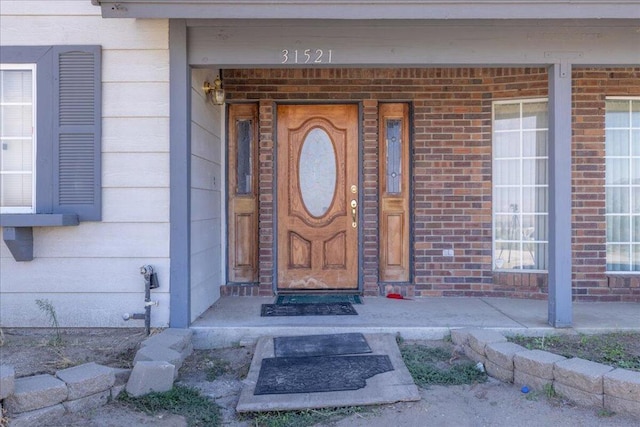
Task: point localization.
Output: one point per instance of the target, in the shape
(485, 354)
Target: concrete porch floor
(236, 320)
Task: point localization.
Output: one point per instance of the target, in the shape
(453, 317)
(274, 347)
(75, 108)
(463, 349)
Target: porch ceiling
(371, 9)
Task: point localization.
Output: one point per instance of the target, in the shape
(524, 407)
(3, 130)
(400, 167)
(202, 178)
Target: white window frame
(521, 242)
(32, 208)
(630, 214)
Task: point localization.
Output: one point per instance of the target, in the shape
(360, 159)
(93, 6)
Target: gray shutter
(77, 131)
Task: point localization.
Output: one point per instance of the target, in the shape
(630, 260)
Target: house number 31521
(306, 56)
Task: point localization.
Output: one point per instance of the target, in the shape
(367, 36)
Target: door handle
(354, 214)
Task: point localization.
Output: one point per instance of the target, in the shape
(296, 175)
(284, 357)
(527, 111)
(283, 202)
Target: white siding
(135, 169)
(207, 260)
(91, 272)
(129, 34)
(135, 99)
(48, 7)
(145, 204)
(94, 309)
(142, 134)
(142, 65)
(117, 275)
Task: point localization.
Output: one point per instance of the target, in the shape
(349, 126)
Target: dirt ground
(488, 404)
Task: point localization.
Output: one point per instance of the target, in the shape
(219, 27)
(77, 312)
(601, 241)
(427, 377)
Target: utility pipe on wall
(150, 282)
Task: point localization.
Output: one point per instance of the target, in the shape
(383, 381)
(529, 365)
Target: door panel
(317, 184)
(394, 226)
(244, 231)
(243, 202)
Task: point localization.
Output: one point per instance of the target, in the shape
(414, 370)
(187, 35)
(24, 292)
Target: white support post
(180, 171)
(560, 288)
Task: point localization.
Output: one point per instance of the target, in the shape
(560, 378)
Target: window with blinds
(17, 138)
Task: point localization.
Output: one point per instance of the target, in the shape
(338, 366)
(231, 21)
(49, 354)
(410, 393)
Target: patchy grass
(61, 361)
(437, 365)
(216, 368)
(47, 307)
(605, 413)
(231, 363)
(180, 400)
(621, 349)
(302, 418)
(549, 393)
(4, 420)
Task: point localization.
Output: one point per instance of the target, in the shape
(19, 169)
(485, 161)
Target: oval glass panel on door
(317, 172)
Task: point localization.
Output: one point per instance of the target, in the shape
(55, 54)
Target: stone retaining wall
(581, 381)
(32, 400)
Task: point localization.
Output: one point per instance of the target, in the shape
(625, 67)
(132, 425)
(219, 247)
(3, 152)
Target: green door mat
(317, 299)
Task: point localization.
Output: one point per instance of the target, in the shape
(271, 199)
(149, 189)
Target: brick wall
(451, 161)
(591, 87)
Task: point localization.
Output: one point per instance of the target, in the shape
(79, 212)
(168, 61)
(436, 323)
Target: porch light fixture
(215, 92)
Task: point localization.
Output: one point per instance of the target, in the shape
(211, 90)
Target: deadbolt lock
(354, 189)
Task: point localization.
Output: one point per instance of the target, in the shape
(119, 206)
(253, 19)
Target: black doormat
(321, 309)
(320, 345)
(314, 299)
(284, 375)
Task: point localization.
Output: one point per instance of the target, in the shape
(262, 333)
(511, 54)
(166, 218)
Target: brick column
(266, 260)
(369, 193)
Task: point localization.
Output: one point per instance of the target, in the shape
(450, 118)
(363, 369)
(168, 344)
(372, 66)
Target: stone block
(581, 374)
(38, 391)
(150, 376)
(37, 417)
(155, 353)
(187, 351)
(474, 355)
(87, 403)
(496, 371)
(622, 406)
(536, 362)
(501, 353)
(87, 379)
(173, 338)
(116, 390)
(122, 375)
(460, 336)
(578, 396)
(7, 380)
(531, 381)
(479, 338)
(624, 384)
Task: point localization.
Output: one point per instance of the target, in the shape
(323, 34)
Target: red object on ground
(395, 296)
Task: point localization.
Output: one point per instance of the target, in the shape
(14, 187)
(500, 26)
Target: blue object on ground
(525, 389)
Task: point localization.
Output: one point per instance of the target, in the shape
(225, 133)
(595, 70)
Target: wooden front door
(317, 197)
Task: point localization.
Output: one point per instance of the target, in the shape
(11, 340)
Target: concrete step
(236, 320)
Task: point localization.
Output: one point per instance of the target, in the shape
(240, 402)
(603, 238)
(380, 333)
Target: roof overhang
(371, 9)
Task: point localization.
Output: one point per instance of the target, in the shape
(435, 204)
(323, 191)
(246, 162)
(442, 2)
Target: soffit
(371, 9)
